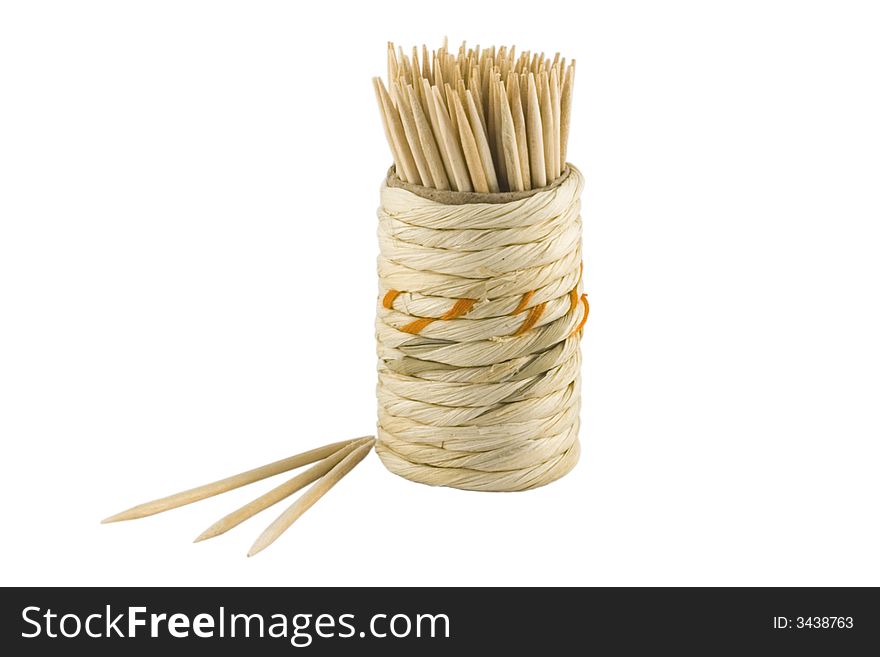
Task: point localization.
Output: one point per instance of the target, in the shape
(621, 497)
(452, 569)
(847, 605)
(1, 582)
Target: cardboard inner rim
(448, 197)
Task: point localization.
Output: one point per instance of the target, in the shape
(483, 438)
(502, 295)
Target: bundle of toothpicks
(333, 462)
(478, 136)
(482, 120)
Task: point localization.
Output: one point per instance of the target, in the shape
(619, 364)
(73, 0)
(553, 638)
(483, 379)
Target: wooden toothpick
(426, 139)
(474, 88)
(536, 137)
(509, 145)
(398, 165)
(482, 143)
(434, 120)
(496, 142)
(565, 111)
(469, 145)
(401, 97)
(548, 129)
(453, 146)
(557, 116)
(519, 123)
(392, 62)
(410, 172)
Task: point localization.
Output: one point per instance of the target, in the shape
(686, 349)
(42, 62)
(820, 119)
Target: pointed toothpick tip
(263, 541)
(205, 535)
(118, 517)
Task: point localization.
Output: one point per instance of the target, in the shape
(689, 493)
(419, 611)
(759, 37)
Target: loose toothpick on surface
(336, 460)
(482, 120)
(227, 484)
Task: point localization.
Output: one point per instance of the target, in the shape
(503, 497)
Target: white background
(187, 289)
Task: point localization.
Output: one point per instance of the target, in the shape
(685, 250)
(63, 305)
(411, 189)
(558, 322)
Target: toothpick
(428, 94)
(438, 73)
(478, 101)
(498, 148)
(405, 71)
(549, 130)
(455, 76)
(410, 172)
(392, 62)
(536, 137)
(486, 75)
(557, 116)
(415, 73)
(565, 111)
(492, 116)
(519, 123)
(453, 146)
(426, 64)
(469, 146)
(307, 499)
(398, 167)
(508, 140)
(412, 135)
(426, 138)
(450, 108)
(227, 484)
(482, 143)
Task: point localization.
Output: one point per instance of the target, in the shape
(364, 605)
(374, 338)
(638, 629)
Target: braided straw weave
(478, 327)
